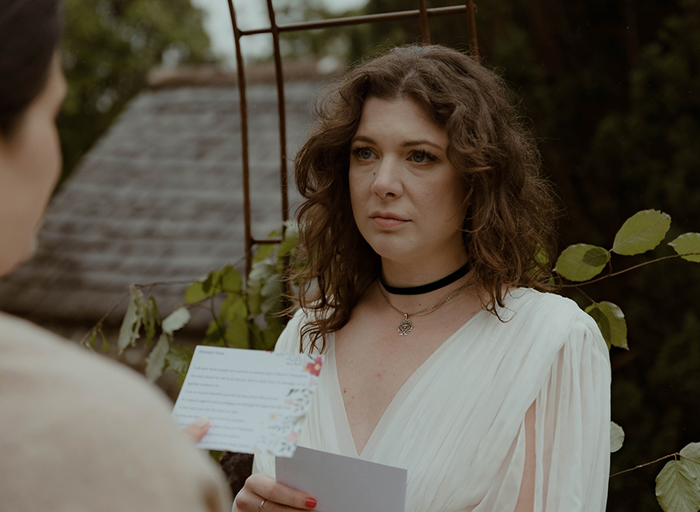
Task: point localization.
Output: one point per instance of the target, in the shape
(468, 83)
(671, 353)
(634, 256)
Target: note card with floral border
(256, 401)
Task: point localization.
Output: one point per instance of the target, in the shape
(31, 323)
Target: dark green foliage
(109, 47)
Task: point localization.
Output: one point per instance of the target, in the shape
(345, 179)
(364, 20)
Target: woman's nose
(387, 178)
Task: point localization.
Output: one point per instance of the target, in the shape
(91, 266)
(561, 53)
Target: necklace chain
(406, 326)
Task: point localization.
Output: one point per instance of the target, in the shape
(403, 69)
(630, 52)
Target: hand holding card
(256, 401)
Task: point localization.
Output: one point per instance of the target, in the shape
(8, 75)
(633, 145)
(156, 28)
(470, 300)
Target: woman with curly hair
(425, 239)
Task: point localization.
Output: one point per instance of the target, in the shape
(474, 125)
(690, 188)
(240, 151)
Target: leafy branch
(247, 316)
(619, 272)
(640, 466)
(678, 483)
(642, 232)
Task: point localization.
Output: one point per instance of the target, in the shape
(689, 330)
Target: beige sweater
(81, 433)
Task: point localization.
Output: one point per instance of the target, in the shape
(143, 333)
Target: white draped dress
(457, 424)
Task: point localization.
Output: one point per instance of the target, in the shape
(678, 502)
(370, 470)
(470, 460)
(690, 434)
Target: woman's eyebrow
(410, 143)
(362, 138)
(407, 144)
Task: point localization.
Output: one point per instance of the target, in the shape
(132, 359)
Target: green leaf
(178, 360)
(291, 240)
(236, 335)
(611, 321)
(271, 334)
(541, 255)
(200, 290)
(195, 293)
(213, 336)
(129, 330)
(260, 273)
(210, 285)
(150, 319)
(233, 307)
(257, 336)
(176, 320)
(271, 294)
(154, 309)
(288, 245)
(690, 456)
(677, 488)
(257, 278)
(582, 262)
(91, 342)
(155, 363)
(231, 280)
(602, 321)
(617, 437)
(105, 344)
(688, 244)
(264, 251)
(641, 232)
(254, 300)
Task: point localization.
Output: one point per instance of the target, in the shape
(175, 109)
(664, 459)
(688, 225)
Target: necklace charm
(405, 326)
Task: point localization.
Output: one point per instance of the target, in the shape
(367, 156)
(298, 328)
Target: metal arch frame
(423, 13)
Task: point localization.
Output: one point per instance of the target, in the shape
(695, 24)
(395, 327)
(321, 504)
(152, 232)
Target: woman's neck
(419, 273)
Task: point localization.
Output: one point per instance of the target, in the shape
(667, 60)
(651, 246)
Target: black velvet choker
(425, 288)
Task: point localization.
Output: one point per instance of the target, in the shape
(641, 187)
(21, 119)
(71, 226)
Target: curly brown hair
(509, 224)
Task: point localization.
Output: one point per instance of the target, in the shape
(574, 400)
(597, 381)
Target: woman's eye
(364, 153)
(422, 157)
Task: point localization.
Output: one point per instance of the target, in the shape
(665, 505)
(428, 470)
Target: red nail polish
(310, 503)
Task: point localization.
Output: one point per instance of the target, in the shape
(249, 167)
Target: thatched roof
(159, 198)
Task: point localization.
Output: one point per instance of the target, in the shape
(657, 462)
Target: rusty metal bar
(471, 22)
(424, 26)
(282, 122)
(269, 240)
(244, 139)
(281, 113)
(357, 20)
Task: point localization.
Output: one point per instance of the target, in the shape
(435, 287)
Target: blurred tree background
(612, 92)
(109, 47)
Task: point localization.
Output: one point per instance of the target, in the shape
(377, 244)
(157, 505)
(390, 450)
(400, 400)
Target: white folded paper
(344, 484)
(256, 401)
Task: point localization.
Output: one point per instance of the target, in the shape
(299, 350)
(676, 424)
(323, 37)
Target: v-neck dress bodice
(457, 424)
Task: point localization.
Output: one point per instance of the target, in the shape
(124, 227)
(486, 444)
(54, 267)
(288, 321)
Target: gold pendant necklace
(406, 326)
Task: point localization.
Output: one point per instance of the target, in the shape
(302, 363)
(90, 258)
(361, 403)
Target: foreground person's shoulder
(79, 432)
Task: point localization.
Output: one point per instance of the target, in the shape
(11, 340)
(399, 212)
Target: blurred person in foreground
(77, 432)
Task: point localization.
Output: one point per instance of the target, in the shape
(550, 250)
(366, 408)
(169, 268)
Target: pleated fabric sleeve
(572, 426)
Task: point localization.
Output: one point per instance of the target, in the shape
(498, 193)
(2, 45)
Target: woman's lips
(387, 222)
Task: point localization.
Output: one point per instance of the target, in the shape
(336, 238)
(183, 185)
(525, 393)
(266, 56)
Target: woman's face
(407, 199)
(30, 163)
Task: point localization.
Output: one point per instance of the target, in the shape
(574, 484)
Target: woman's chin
(393, 253)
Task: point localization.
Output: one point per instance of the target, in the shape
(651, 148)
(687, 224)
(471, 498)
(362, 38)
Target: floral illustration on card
(284, 428)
